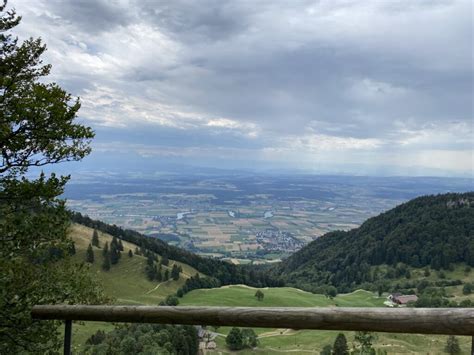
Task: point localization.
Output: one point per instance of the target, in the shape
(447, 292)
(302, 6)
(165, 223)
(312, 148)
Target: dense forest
(224, 272)
(433, 231)
(145, 339)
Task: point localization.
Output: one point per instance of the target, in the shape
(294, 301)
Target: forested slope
(434, 231)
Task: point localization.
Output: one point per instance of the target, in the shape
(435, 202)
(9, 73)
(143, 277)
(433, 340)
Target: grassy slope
(126, 282)
(309, 341)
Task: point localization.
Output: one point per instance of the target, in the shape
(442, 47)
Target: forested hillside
(434, 231)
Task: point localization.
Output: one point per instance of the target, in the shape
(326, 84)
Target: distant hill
(430, 231)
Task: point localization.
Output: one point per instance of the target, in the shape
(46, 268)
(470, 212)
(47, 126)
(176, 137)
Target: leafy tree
(37, 128)
(90, 254)
(130, 254)
(452, 346)
(259, 295)
(327, 350)
(234, 339)
(467, 289)
(340, 345)
(171, 301)
(249, 338)
(96, 338)
(365, 340)
(95, 238)
(331, 291)
(380, 289)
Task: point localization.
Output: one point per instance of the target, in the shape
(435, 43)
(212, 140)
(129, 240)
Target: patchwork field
(223, 214)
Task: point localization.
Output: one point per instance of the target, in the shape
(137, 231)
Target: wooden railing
(446, 321)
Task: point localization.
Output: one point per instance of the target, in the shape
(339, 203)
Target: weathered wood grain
(449, 321)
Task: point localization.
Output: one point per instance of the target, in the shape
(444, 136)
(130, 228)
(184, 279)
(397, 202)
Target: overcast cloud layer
(327, 86)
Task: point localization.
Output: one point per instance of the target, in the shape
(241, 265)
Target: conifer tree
(106, 261)
(90, 254)
(95, 238)
(340, 345)
(114, 242)
(72, 249)
(175, 273)
(105, 251)
(167, 275)
(159, 275)
(452, 346)
(150, 268)
(130, 254)
(114, 253)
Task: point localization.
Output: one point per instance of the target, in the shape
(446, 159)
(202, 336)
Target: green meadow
(273, 341)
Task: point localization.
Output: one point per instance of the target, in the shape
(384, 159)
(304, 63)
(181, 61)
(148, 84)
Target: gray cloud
(387, 77)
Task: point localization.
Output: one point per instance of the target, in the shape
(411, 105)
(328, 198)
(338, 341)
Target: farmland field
(245, 218)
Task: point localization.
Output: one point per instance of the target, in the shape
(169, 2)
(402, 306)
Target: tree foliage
(37, 128)
(95, 239)
(234, 339)
(90, 254)
(364, 341)
(340, 345)
(239, 339)
(145, 339)
(452, 346)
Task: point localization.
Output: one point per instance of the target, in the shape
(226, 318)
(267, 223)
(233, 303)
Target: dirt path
(276, 332)
(156, 288)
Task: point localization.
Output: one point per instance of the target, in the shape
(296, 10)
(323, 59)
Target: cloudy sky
(365, 87)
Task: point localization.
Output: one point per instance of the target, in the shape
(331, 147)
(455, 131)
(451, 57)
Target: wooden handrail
(447, 321)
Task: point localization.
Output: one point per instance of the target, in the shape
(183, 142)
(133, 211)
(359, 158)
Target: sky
(329, 87)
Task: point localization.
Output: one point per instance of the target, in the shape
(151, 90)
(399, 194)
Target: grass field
(309, 341)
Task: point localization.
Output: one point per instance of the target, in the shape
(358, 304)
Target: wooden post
(67, 337)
